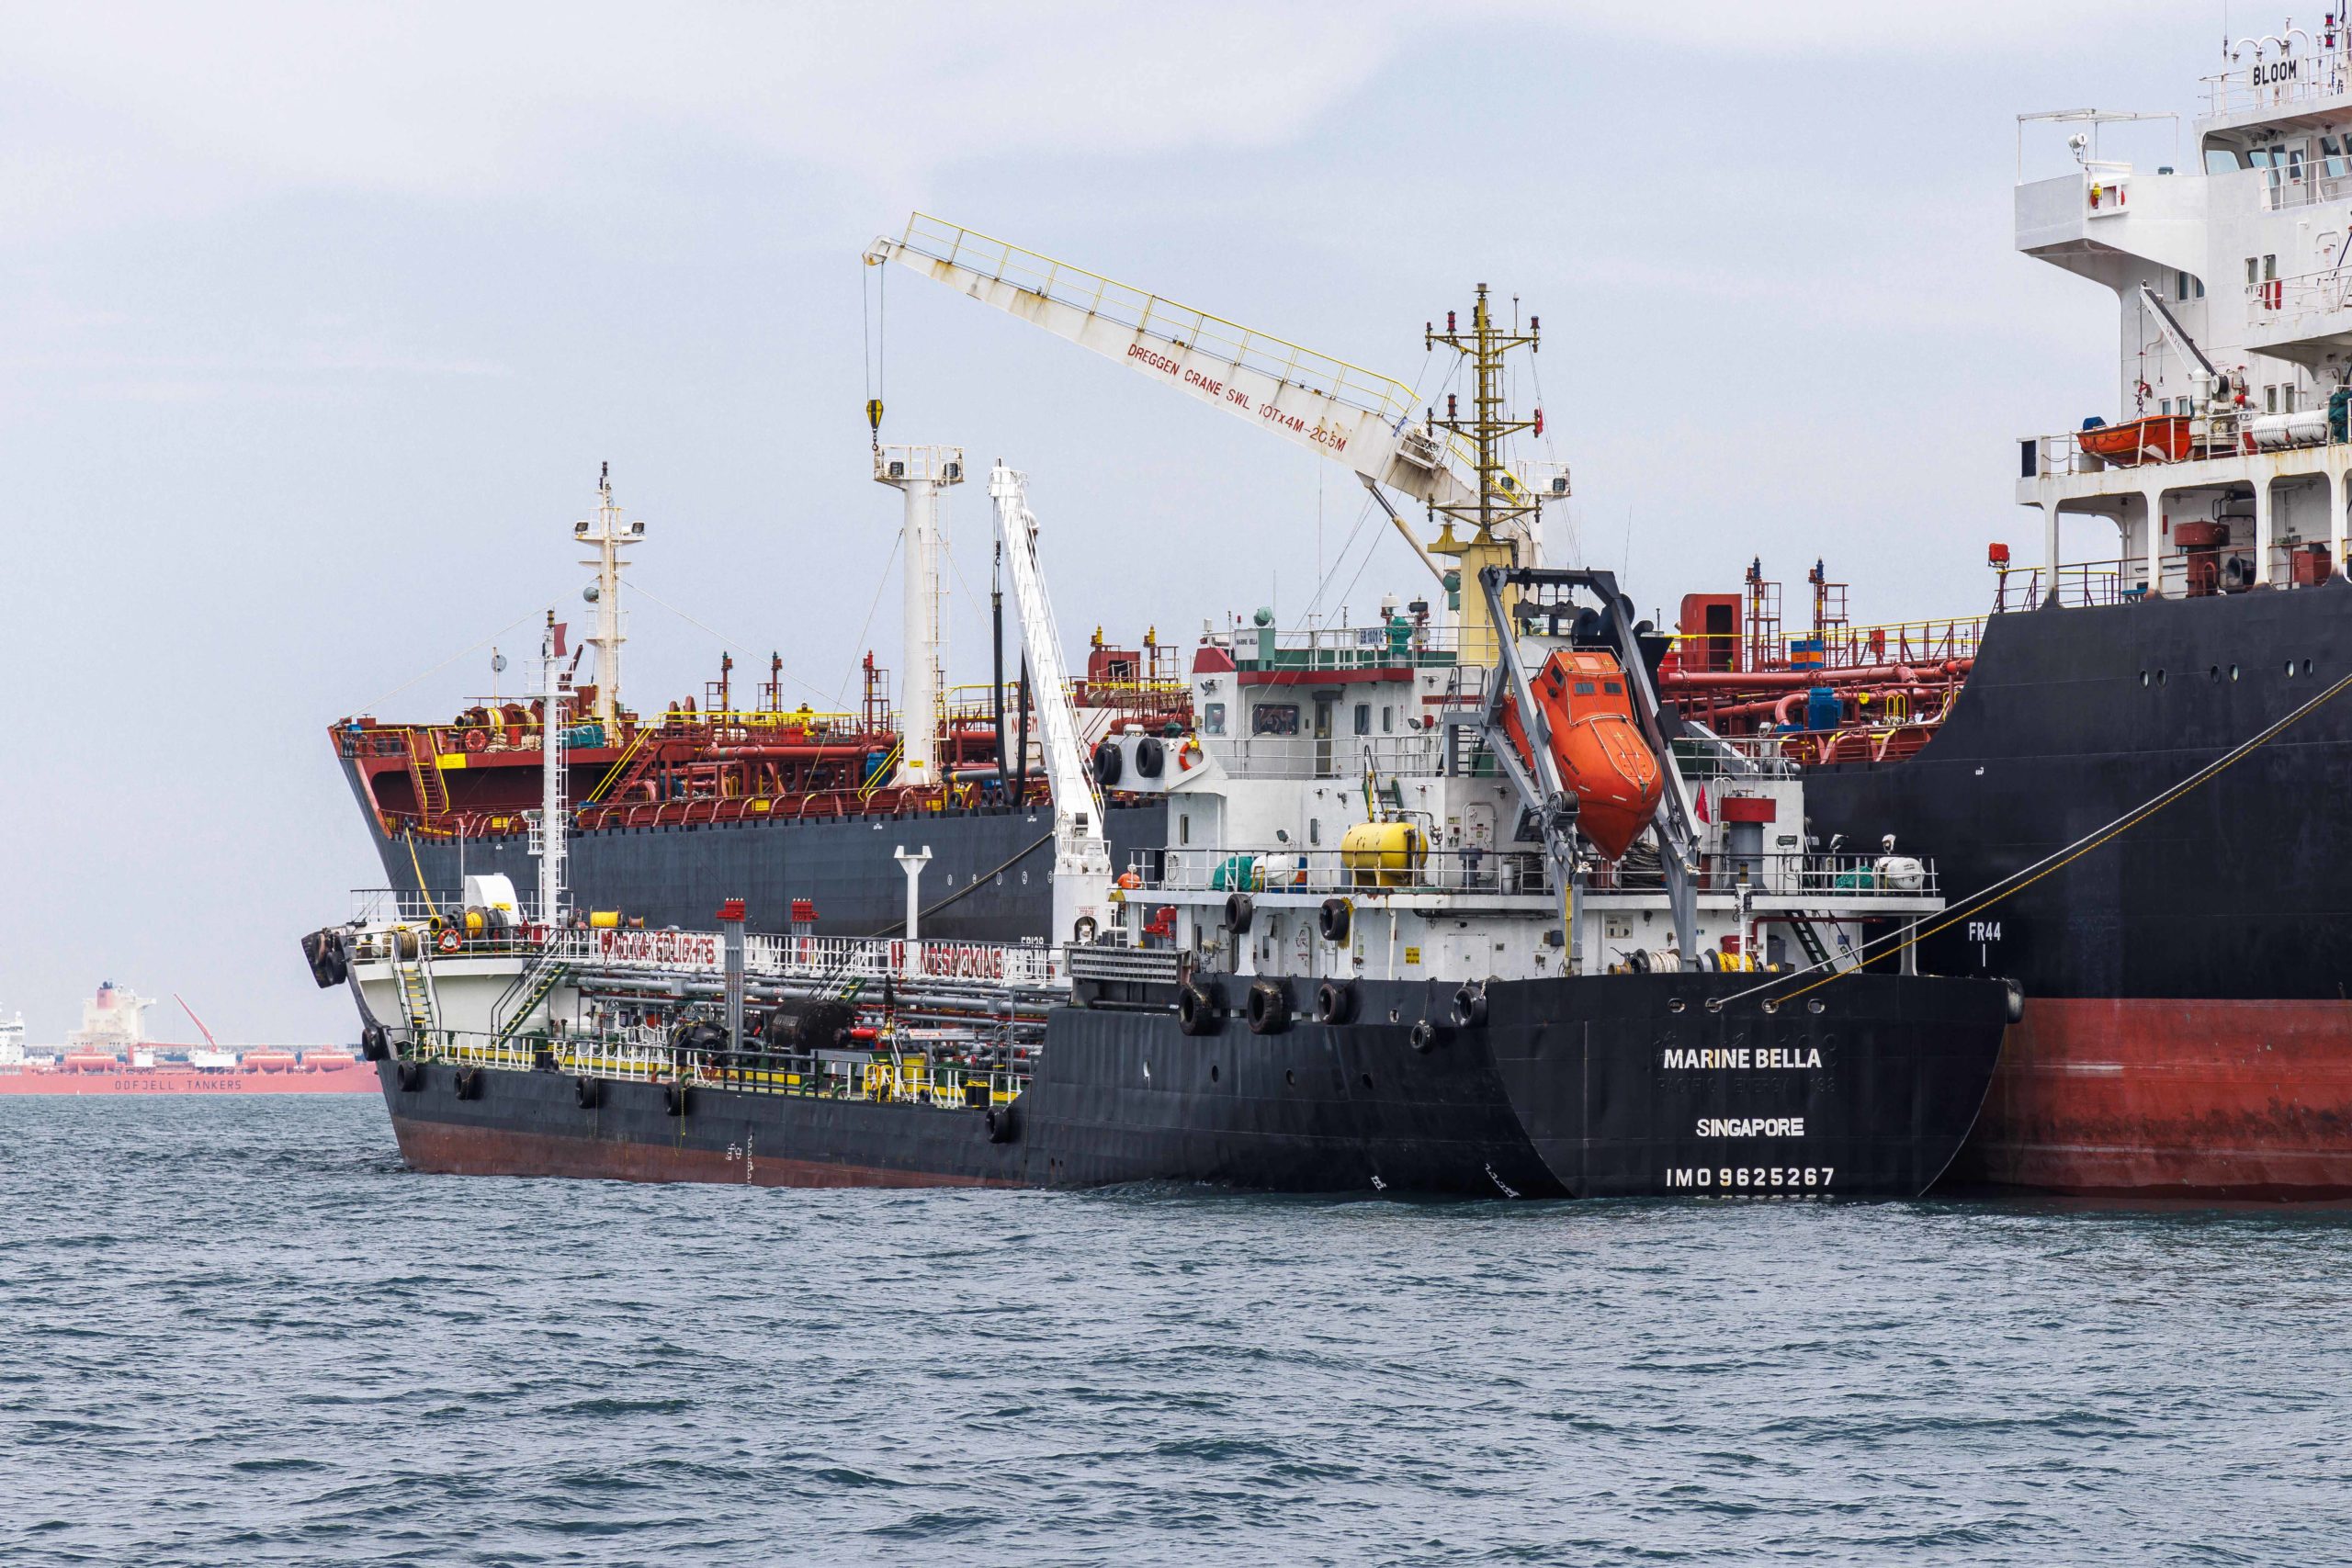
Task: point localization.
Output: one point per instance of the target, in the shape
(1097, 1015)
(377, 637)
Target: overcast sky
(317, 322)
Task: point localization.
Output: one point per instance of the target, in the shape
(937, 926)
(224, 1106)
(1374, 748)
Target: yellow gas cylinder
(604, 920)
(1383, 854)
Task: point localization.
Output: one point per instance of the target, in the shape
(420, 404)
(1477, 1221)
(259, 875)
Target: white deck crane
(1082, 891)
(1360, 418)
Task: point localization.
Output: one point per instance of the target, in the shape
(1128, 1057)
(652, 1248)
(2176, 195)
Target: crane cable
(874, 342)
(2018, 881)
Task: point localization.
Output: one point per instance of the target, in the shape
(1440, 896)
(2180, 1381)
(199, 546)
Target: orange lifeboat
(1604, 761)
(2159, 438)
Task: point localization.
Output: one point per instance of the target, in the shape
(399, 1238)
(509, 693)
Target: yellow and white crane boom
(1353, 416)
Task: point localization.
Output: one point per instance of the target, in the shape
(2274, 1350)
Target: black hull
(679, 875)
(1600, 1088)
(2242, 890)
(2186, 1032)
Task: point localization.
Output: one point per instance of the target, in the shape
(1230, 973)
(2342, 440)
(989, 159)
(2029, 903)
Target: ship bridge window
(1274, 718)
(1213, 718)
(2332, 151)
(1363, 718)
(2220, 161)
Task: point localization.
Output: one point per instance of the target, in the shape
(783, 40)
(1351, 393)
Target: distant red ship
(256, 1072)
(110, 1055)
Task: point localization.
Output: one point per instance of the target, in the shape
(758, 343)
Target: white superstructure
(1343, 811)
(112, 1020)
(2230, 267)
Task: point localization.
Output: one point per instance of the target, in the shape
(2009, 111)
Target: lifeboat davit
(1604, 761)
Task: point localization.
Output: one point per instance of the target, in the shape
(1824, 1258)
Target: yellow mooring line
(1985, 898)
(410, 839)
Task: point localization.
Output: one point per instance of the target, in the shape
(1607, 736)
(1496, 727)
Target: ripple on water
(243, 1332)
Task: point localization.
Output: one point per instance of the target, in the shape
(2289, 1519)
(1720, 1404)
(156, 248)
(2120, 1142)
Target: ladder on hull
(416, 998)
(425, 772)
(530, 987)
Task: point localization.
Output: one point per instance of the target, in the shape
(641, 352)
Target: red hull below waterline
(2170, 1099)
(354, 1079)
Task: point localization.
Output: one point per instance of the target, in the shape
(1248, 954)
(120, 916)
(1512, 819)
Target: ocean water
(241, 1333)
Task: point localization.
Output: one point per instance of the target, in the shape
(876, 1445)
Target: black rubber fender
(1422, 1036)
(1004, 1124)
(1469, 1006)
(1151, 757)
(1335, 918)
(1199, 1005)
(674, 1099)
(587, 1093)
(1240, 909)
(324, 952)
(1335, 1002)
(1108, 764)
(375, 1041)
(469, 1083)
(412, 1077)
(1268, 1008)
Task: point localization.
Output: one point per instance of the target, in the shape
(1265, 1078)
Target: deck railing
(982, 1076)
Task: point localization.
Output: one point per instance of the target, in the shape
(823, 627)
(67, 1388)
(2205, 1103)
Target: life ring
(477, 739)
(1188, 756)
(449, 941)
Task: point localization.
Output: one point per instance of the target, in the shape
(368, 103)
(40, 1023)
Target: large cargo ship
(110, 1055)
(2137, 753)
(736, 794)
(1315, 983)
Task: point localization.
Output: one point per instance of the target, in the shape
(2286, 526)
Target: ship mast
(609, 539)
(1505, 518)
(922, 474)
(552, 848)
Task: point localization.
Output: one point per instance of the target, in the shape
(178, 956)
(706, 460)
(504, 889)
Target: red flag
(1701, 808)
(559, 627)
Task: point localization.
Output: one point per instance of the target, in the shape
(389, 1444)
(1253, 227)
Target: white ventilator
(1081, 853)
